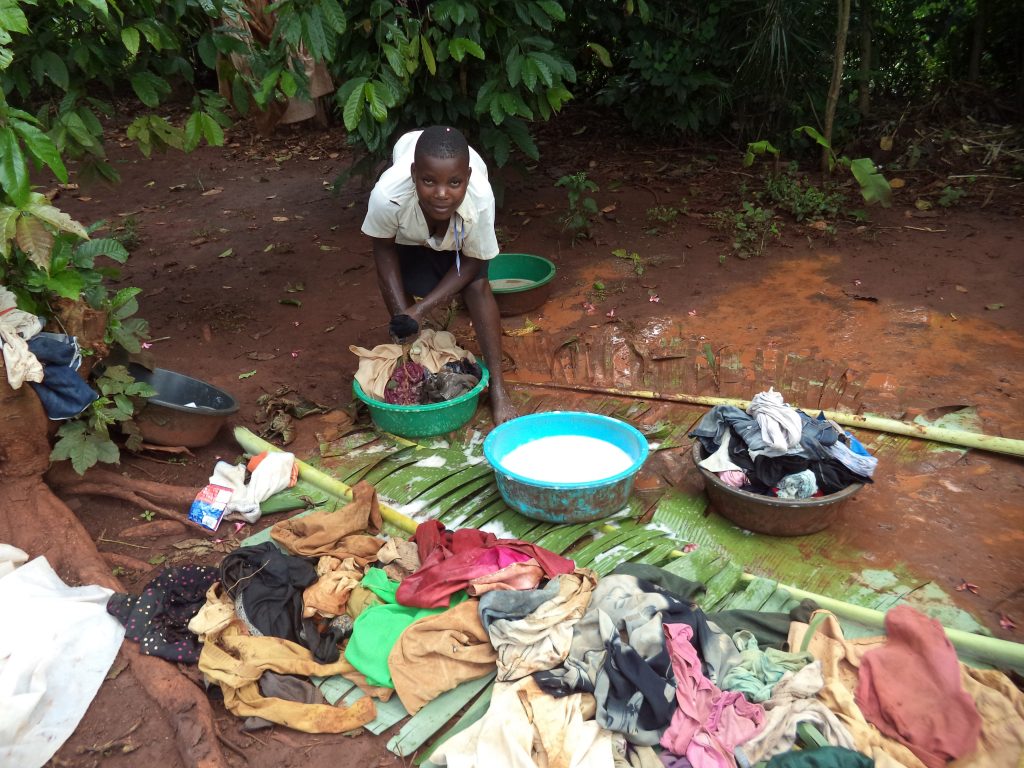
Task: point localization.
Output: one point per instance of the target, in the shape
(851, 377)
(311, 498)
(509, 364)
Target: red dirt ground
(226, 234)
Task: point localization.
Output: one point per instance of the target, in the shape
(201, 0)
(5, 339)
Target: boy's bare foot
(501, 406)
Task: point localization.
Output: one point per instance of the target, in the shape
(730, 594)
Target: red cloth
(449, 560)
(910, 690)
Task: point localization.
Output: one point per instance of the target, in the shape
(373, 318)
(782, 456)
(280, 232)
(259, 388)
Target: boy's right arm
(389, 274)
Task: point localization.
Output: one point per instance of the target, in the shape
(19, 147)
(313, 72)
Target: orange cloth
(334, 532)
(438, 652)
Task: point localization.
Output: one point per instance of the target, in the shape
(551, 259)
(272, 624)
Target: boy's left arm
(450, 285)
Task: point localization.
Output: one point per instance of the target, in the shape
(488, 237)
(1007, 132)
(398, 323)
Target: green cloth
(377, 629)
(823, 757)
(758, 671)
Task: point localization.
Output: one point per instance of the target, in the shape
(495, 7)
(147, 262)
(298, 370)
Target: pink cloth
(709, 723)
(518, 576)
(450, 560)
(910, 690)
(734, 478)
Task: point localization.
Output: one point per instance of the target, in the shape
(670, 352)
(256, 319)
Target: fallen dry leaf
(211, 192)
(897, 184)
(966, 586)
(610, 313)
(1006, 622)
(961, 289)
(589, 308)
(654, 298)
(280, 218)
(885, 144)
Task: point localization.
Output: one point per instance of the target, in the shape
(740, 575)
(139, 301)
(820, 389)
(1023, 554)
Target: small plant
(148, 515)
(950, 196)
(632, 256)
(128, 233)
(662, 214)
(118, 570)
(581, 207)
(797, 196)
(751, 228)
(86, 439)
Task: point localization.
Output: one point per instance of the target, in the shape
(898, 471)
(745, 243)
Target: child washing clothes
(431, 217)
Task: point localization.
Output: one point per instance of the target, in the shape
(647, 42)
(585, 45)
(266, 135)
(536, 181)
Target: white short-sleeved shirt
(394, 209)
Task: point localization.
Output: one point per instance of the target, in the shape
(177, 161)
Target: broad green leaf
(814, 134)
(497, 113)
(41, 147)
(194, 131)
(102, 246)
(13, 168)
(12, 18)
(514, 68)
(144, 89)
(316, 37)
(130, 38)
(541, 67)
(458, 47)
(79, 132)
(352, 111)
(428, 55)
(99, 5)
(67, 283)
(240, 95)
(84, 455)
(333, 15)
(8, 227)
(35, 240)
(289, 87)
(377, 108)
(55, 69)
(602, 54)
(57, 218)
(873, 185)
(212, 132)
(552, 9)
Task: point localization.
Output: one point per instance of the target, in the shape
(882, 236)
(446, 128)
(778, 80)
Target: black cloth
(158, 618)
(629, 673)
(422, 268)
(682, 589)
(822, 757)
(770, 628)
(270, 584)
(402, 327)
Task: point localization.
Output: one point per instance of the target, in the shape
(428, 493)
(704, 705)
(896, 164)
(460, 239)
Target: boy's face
(441, 185)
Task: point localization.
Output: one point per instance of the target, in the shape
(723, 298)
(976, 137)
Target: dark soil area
(255, 277)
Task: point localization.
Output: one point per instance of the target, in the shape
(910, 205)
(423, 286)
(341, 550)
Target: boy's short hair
(442, 142)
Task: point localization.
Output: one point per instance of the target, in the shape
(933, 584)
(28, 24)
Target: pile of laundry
(432, 369)
(47, 361)
(623, 670)
(774, 449)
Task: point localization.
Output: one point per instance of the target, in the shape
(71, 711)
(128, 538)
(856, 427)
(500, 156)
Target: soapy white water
(567, 459)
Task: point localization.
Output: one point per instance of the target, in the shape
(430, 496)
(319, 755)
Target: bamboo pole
(988, 649)
(994, 443)
(254, 444)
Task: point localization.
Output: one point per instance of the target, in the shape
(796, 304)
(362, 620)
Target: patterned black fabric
(158, 618)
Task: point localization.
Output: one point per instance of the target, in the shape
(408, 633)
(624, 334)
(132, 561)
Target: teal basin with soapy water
(565, 502)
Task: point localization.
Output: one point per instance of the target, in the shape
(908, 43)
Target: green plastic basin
(423, 420)
(521, 282)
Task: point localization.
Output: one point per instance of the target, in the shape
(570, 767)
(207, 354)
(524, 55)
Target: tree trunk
(36, 521)
(864, 87)
(842, 27)
(977, 42)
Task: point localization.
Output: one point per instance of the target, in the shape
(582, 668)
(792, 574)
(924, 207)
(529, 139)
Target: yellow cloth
(527, 728)
(376, 367)
(217, 612)
(437, 653)
(361, 599)
(435, 349)
(235, 661)
(329, 594)
(998, 701)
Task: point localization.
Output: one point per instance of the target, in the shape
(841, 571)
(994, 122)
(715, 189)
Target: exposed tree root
(164, 500)
(41, 524)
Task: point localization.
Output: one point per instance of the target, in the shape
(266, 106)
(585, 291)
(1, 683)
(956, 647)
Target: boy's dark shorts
(422, 268)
